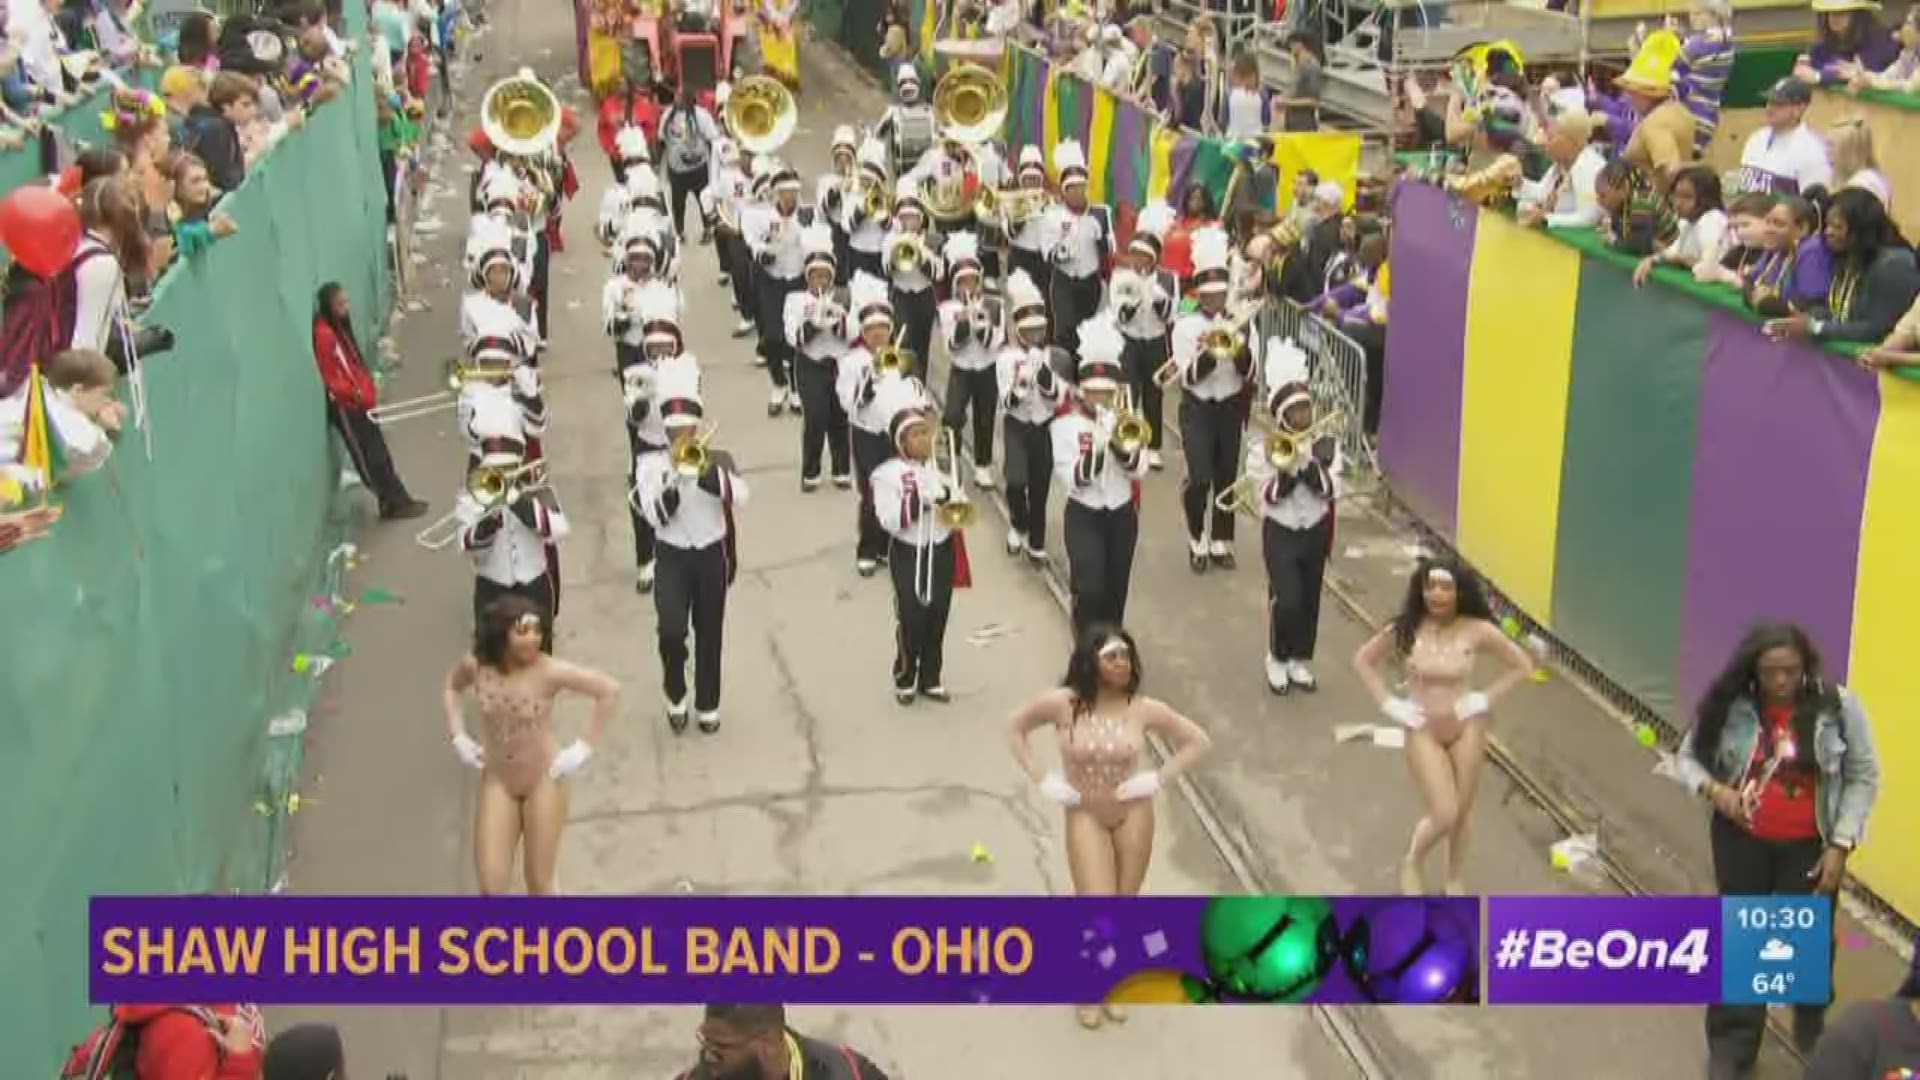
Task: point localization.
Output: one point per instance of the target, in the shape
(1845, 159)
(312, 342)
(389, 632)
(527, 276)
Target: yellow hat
(180, 78)
(1827, 6)
(1652, 69)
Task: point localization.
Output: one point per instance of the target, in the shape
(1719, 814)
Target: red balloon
(41, 228)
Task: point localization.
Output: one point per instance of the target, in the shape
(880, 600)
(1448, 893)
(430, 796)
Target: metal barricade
(1336, 369)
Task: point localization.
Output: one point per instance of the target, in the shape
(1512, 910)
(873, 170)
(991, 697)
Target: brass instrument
(521, 116)
(457, 376)
(1222, 339)
(891, 360)
(970, 104)
(689, 457)
(875, 201)
(1167, 374)
(958, 511)
(761, 114)
(1242, 497)
(1131, 432)
(1015, 207)
(1283, 449)
(1494, 185)
(494, 489)
(908, 255)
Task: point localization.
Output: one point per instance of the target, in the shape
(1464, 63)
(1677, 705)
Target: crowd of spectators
(153, 194)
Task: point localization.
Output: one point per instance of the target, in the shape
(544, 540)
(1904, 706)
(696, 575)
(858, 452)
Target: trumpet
(1284, 449)
(875, 202)
(825, 313)
(457, 376)
(909, 254)
(1014, 207)
(890, 360)
(689, 457)
(1130, 431)
(1222, 339)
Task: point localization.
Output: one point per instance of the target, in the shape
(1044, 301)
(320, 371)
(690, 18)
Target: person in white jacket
(82, 415)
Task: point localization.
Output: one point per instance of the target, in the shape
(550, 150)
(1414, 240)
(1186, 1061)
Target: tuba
(521, 116)
(1492, 186)
(970, 104)
(761, 114)
(690, 458)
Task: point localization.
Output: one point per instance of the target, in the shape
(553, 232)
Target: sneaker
(1222, 554)
(793, 402)
(709, 721)
(1301, 675)
(726, 281)
(1154, 461)
(743, 328)
(776, 401)
(412, 508)
(809, 483)
(903, 695)
(757, 359)
(644, 583)
(843, 481)
(1016, 541)
(677, 716)
(983, 476)
(866, 567)
(936, 693)
(1277, 673)
(1197, 556)
(1037, 556)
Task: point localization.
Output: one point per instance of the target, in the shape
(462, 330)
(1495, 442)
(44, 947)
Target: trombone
(957, 512)
(1242, 497)
(494, 489)
(1284, 449)
(1015, 206)
(457, 377)
(1131, 432)
(690, 458)
(1167, 374)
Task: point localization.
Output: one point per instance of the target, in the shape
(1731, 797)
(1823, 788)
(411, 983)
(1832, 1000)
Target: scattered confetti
(316, 666)
(286, 724)
(1538, 675)
(1646, 736)
(980, 854)
(377, 595)
(1353, 551)
(1574, 853)
(1155, 944)
(1510, 626)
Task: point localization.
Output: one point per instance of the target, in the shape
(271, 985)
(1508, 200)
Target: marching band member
(867, 233)
(913, 265)
(1296, 500)
(835, 188)
(511, 537)
(1079, 243)
(649, 221)
(1027, 374)
(857, 384)
(502, 222)
(727, 199)
(815, 324)
(689, 495)
(1212, 386)
(926, 554)
(630, 148)
(970, 324)
(656, 322)
(1026, 242)
(620, 299)
(774, 238)
(948, 165)
(1102, 477)
(907, 127)
(493, 306)
(1144, 298)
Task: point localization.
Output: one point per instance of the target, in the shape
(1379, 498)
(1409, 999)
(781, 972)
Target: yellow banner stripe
(1099, 145)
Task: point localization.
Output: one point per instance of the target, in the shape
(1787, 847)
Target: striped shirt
(1700, 77)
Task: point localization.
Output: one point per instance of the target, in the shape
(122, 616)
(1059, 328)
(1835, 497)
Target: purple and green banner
(792, 950)
(1646, 475)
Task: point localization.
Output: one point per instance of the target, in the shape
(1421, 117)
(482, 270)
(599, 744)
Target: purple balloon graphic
(1413, 951)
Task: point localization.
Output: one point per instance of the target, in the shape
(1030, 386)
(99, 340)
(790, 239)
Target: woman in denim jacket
(1786, 759)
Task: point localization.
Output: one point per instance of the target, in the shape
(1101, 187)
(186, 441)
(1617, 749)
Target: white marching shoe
(1016, 540)
(1301, 675)
(1277, 675)
(709, 721)
(743, 328)
(1154, 461)
(677, 715)
(776, 401)
(983, 476)
(644, 583)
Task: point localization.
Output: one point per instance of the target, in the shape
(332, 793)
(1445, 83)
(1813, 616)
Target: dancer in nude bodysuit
(523, 793)
(1107, 787)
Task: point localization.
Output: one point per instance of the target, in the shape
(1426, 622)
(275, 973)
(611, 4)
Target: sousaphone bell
(521, 116)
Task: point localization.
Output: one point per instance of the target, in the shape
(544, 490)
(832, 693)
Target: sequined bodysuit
(1098, 753)
(516, 727)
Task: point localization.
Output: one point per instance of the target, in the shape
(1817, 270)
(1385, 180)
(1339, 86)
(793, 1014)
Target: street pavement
(819, 784)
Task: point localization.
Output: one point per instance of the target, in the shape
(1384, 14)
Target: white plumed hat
(496, 336)
(1212, 252)
(631, 144)
(1032, 161)
(906, 194)
(676, 386)
(1070, 162)
(493, 414)
(659, 309)
(870, 301)
(1285, 374)
(489, 243)
(845, 136)
(817, 241)
(962, 252)
(904, 402)
(500, 189)
(1150, 228)
(872, 156)
(1100, 348)
(1028, 307)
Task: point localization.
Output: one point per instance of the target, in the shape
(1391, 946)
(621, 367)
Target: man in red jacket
(178, 1042)
(350, 395)
(627, 106)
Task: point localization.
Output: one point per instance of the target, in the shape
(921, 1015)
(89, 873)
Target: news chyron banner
(1659, 950)
(799, 950)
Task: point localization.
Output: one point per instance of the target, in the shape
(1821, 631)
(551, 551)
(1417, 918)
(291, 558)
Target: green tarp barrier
(149, 638)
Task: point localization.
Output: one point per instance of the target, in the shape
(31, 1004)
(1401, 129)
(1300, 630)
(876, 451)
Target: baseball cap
(1790, 91)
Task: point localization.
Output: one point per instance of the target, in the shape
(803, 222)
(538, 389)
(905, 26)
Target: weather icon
(1776, 952)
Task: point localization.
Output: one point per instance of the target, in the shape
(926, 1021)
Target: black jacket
(213, 138)
(820, 1061)
(1884, 293)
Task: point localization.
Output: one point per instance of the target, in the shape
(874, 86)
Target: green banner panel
(152, 632)
(1626, 481)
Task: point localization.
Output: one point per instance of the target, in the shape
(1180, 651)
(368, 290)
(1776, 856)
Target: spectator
(312, 75)
(1706, 59)
(1874, 277)
(1797, 272)
(195, 48)
(1900, 349)
(214, 128)
(688, 133)
(81, 411)
(1662, 142)
(137, 121)
(740, 1042)
(1701, 225)
(113, 245)
(1196, 213)
(1302, 105)
(1849, 39)
(628, 106)
(397, 137)
(394, 28)
(182, 1042)
(350, 395)
(1854, 165)
(195, 225)
(99, 163)
(1564, 197)
(1873, 1040)
(32, 30)
(1786, 157)
(1634, 219)
(1246, 110)
(182, 88)
(1786, 760)
(1306, 274)
(1903, 74)
(1186, 105)
(1746, 248)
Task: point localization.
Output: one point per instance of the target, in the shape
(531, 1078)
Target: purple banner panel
(846, 950)
(1603, 950)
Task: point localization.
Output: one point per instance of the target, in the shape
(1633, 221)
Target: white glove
(1402, 711)
(1138, 786)
(526, 380)
(469, 751)
(568, 761)
(1471, 705)
(1055, 787)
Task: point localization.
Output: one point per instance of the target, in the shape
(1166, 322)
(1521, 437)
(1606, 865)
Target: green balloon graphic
(1266, 948)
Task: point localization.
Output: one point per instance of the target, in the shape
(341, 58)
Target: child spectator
(81, 412)
(195, 225)
(1746, 229)
(214, 128)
